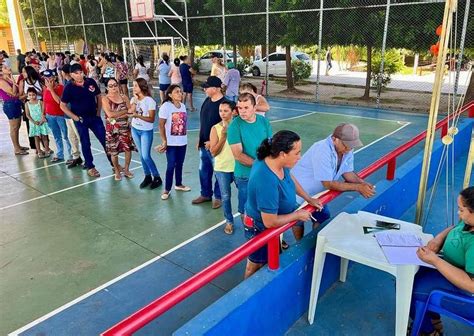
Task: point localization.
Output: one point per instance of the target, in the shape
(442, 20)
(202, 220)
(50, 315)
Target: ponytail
(282, 141)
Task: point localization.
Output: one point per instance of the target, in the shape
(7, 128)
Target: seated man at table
(322, 166)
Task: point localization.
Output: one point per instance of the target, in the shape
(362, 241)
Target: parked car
(205, 64)
(277, 63)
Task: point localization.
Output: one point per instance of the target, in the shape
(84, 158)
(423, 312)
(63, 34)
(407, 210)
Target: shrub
(242, 66)
(301, 70)
(393, 63)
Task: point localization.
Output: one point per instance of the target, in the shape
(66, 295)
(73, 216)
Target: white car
(277, 63)
(206, 63)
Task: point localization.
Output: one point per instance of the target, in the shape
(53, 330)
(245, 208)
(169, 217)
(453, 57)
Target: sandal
(93, 172)
(229, 228)
(41, 155)
(118, 178)
(22, 152)
(24, 148)
(165, 195)
(56, 159)
(128, 174)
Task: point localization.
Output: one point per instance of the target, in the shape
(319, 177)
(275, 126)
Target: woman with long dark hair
(454, 270)
(173, 132)
(143, 109)
(271, 200)
(141, 71)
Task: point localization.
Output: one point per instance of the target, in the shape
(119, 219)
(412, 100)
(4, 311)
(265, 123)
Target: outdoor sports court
(79, 254)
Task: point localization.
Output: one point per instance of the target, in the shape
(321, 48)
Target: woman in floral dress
(118, 138)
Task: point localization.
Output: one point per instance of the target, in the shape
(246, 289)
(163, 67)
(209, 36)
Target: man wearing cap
(85, 107)
(324, 163)
(209, 117)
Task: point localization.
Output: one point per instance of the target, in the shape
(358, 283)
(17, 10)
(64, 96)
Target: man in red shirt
(55, 116)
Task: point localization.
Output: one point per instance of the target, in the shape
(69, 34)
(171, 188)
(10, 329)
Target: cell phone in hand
(387, 225)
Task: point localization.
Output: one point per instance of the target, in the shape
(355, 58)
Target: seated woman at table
(271, 198)
(454, 271)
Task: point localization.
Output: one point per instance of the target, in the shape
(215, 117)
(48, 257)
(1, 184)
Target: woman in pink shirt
(174, 72)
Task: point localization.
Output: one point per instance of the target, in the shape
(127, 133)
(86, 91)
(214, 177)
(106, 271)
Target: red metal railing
(270, 237)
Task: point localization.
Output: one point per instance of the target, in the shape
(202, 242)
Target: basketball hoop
(142, 10)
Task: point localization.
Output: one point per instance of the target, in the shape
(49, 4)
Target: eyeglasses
(112, 86)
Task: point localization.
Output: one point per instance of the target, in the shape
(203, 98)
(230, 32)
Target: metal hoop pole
(382, 55)
(103, 22)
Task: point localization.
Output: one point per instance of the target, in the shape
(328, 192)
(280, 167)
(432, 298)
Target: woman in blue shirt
(272, 192)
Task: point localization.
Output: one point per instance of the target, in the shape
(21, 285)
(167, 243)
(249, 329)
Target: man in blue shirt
(85, 106)
(324, 163)
(187, 73)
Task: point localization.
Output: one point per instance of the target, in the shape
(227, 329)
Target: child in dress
(39, 127)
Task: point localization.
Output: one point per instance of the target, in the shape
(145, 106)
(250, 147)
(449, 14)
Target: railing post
(273, 247)
(444, 130)
(470, 111)
(391, 166)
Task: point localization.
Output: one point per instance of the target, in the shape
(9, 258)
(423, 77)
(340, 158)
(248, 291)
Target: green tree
(3, 13)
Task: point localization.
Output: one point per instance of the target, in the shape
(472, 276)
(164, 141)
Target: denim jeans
(175, 157)
(231, 98)
(59, 129)
(206, 170)
(96, 125)
(427, 280)
(225, 183)
(242, 184)
(144, 141)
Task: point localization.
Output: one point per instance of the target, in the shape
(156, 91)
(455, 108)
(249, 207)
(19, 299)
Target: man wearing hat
(209, 117)
(84, 108)
(322, 166)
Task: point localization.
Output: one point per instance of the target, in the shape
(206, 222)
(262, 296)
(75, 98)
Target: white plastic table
(344, 237)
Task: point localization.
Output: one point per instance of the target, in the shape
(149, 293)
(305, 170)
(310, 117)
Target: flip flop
(229, 229)
(23, 152)
(24, 148)
(128, 175)
(118, 178)
(93, 172)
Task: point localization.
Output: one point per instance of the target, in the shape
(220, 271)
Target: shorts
(164, 87)
(188, 88)
(123, 81)
(12, 108)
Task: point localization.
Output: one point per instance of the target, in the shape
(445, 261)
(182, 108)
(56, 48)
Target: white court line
(39, 168)
(62, 190)
(124, 275)
(111, 282)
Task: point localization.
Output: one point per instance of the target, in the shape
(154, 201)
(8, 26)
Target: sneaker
(216, 203)
(201, 199)
(156, 182)
(146, 181)
(165, 195)
(182, 188)
(74, 163)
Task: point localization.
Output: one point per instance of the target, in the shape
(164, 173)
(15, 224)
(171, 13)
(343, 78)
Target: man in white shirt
(324, 163)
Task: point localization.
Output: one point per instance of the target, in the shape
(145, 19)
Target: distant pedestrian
(231, 83)
(187, 74)
(328, 60)
(174, 73)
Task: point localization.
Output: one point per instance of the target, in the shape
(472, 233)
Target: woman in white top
(143, 109)
(218, 68)
(173, 132)
(141, 71)
(108, 70)
(91, 66)
(174, 73)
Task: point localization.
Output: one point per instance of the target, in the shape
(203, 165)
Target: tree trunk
(192, 52)
(366, 95)
(290, 83)
(234, 51)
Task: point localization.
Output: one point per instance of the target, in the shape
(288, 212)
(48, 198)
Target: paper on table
(400, 248)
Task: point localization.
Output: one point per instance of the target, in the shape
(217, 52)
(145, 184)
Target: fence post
(267, 43)
(320, 39)
(274, 253)
(382, 56)
(391, 166)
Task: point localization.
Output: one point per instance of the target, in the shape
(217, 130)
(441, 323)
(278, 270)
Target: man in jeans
(85, 106)
(209, 117)
(245, 134)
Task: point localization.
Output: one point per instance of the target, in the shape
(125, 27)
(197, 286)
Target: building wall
(6, 40)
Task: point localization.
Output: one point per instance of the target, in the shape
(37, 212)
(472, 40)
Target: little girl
(39, 128)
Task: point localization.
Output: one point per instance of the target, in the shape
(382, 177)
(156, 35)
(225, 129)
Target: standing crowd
(236, 144)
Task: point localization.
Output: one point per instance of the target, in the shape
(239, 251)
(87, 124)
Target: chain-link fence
(356, 52)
